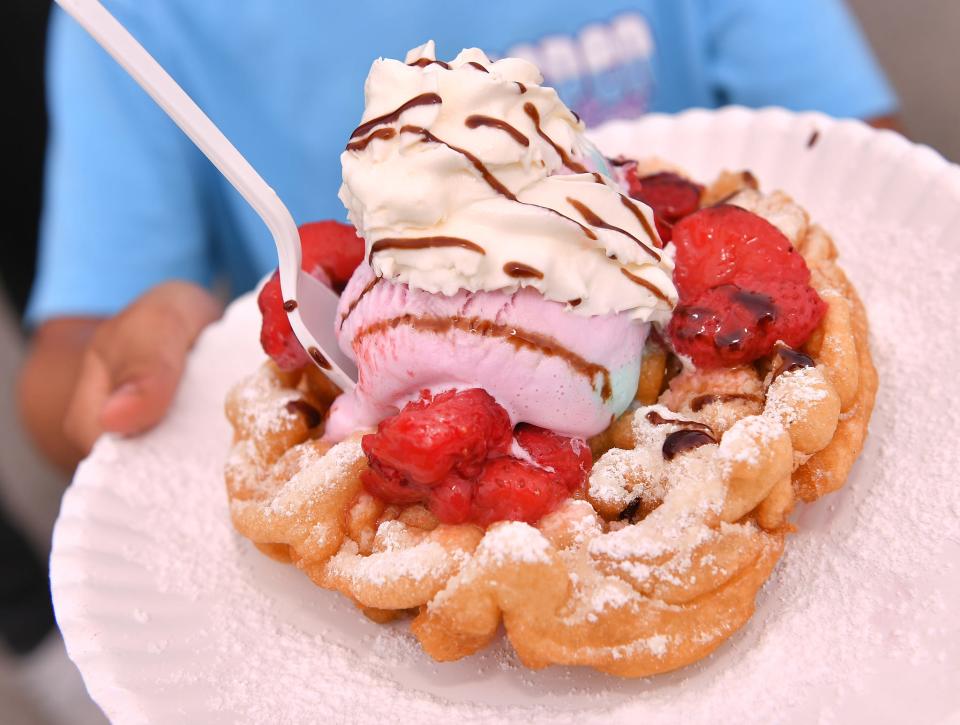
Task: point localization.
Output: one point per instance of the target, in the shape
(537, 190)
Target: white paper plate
(172, 617)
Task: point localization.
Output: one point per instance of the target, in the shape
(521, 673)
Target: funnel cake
(647, 567)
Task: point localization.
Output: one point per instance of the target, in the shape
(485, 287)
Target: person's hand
(133, 364)
(117, 375)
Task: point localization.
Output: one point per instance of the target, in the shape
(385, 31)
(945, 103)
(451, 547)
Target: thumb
(125, 383)
(140, 395)
(144, 351)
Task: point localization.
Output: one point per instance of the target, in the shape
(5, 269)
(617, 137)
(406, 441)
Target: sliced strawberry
(454, 431)
(742, 288)
(568, 458)
(451, 451)
(729, 245)
(451, 500)
(391, 486)
(276, 335)
(727, 325)
(512, 490)
(330, 252)
(670, 195)
(333, 247)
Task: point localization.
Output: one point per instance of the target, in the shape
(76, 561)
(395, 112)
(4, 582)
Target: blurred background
(913, 41)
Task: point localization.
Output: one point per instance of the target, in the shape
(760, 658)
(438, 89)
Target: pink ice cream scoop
(544, 364)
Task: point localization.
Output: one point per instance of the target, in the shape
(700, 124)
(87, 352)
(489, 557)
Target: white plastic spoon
(313, 314)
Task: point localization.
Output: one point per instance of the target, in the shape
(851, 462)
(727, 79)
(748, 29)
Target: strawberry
(568, 458)
(671, 196)
(513, 490)
(452, 452)
(276, 335)
(742, 288)
(451, 500)
(729, 245)
(330, 252)
(453, 432)
(391, 485)
(333, 248)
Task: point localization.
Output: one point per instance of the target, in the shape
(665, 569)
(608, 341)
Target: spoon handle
(145, 70)
(132, 56)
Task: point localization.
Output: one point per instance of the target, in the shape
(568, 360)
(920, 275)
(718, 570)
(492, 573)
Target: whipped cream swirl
(471, 175)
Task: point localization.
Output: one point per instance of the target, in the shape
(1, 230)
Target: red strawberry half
(330, 252)
(671, 196)
(452, 452)
(742, 288)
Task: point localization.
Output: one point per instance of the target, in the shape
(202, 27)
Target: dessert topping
(742, 289)
(452, 451)
(446, 151)
(330, 252)
(670, 195)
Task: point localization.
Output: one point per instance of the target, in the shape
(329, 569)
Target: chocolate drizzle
(478, 66)
(630, 510)
(534, 115)
(520, 270)
(380, 133)
(319, 359)
(311, 416)
(424, 243)
(791, 360)
(759, 305)
(586, 230)
(814, 137)
(353, 305)
(424, 99)
(478, 120)
(491, 180)
(681, 441)
(654, 418)
(635, 210)
(523, 88)
(755, 312)
(692, 435)
(594, 219)
(289, 305)
(652, 288)
(702, 401)
(424, 62)
(519, 338)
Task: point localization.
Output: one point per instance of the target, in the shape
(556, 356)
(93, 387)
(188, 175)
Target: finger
(144, 356)
(143, 351)
(82, 421)
(140, 401)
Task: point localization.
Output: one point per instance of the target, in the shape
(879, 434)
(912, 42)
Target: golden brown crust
(654, 570)
(827, 469)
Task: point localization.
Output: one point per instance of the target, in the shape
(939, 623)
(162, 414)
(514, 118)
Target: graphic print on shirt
(603, 73)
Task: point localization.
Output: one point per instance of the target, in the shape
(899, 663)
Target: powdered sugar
(861, 610)
(406, 560)
(514, 541)
(746, 440)
(316, 475)
(793, 391)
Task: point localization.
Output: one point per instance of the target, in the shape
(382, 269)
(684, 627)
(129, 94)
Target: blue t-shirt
(129, 202)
